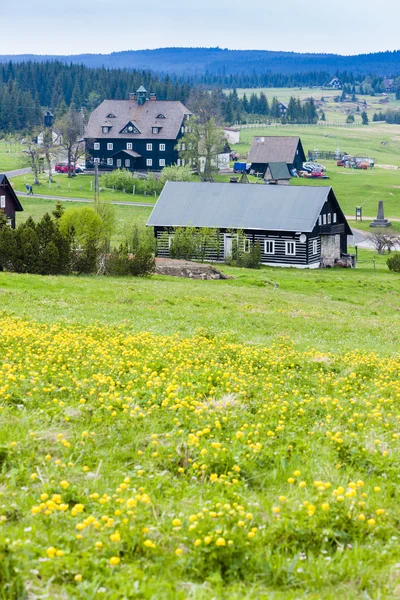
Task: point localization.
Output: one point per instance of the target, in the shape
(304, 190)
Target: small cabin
(9, 202)
(276, 149)
(296, 226)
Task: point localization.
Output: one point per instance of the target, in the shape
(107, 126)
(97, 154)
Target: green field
(125, 216)
(10, 155)
(175, 439)
(80, 186)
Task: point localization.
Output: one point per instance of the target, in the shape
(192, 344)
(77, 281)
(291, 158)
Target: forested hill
(196, 61)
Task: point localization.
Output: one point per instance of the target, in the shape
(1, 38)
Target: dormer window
(155, 129)
(110, 116)
(160, 116)
(130, 128)
(106, 129)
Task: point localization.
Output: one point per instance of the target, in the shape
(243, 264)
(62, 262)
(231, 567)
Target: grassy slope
(84, 353)
(331, 309)
(10, 157)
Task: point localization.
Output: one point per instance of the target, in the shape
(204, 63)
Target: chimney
(153, 97)
(132, 96)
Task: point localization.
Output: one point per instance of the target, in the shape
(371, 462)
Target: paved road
(17, 172)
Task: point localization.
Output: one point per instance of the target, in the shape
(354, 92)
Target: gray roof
(141, 89)
(279, 170)
(273, 149)
(131, 153)
(241, 206)
(144, 117)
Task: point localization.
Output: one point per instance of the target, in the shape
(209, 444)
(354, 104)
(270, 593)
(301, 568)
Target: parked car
(63, 168)
(80, 168)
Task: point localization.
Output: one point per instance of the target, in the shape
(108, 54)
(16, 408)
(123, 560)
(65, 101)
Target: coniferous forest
(29, 88)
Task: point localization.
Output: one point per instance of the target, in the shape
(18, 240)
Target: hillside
(194, 61)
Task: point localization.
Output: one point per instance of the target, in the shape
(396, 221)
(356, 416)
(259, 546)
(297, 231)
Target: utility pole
(96, 185)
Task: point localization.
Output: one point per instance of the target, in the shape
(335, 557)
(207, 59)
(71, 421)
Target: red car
(63, 168)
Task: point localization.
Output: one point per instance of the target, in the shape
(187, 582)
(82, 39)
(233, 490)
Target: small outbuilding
(296, 226)
(232, 135)
(9, 202)
(277, 173)
(276, 149)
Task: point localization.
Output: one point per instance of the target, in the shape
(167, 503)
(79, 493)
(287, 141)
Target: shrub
(121, 179)
(393, 262)
(135, 256)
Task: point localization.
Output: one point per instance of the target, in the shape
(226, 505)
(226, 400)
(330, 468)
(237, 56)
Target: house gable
(130, 128)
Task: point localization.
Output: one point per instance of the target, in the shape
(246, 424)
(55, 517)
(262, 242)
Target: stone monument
(380, 220)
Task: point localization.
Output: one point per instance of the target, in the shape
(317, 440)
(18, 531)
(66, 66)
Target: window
(119, 163)
(160, 116)
(110, 146)
(110, 161)
(106, 129)
(161, 162)
(129, 145)
(130, 128)
(155, 129)
(290, 248)
(329, 218)
(246, 245)
(170, 240)
(96, 161)
(162, 147)
(149, 147)
(324, 219)
(334, 217)
(183, 162)
(269, 247)
(315, 247)
(179, 162)
(149, 162)
(2, 201)
(127, 162)
(110, 116)
(320, 220)
(183, 146)
(96, 146)
(182, 129)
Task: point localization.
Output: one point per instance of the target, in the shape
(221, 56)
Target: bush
(393, 262)
(135, 256)
(124, 180)
(240, 258)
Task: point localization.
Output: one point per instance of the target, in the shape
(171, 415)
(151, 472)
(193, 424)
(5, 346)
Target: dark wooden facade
(9, 202)
(140, 133)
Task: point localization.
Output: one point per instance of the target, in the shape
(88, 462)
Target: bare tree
(202, 141)
(49, 149)
(385, 240)
(70, 127)
(31, 157)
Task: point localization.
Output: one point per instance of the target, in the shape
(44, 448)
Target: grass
(125, 216)
(80, 186)
(10, 155)
(179, 439)
(378, 140)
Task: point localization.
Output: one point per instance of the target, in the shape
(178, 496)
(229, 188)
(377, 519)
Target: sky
(103, 26)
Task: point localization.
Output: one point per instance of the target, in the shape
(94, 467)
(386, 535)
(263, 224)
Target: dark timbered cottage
(276, 149)
(140, 133)
(296, 226)
(9, 202)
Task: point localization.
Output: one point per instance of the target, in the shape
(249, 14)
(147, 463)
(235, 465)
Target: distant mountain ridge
(196, 61)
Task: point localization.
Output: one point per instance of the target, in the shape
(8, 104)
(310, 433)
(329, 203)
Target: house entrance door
(228, 240)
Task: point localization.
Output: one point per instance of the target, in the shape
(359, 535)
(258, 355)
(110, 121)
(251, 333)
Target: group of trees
(75, 241)
(390, 116)
(27, 88)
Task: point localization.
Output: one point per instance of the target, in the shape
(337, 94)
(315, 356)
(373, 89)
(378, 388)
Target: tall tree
(70, 127)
